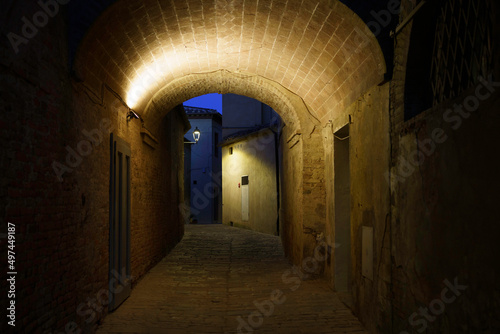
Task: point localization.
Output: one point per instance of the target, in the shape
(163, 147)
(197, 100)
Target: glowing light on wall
(146, 78)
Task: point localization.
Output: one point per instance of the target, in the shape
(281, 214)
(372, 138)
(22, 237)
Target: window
(462, 48)
(450, 47)
(231, 151)
(418, 91)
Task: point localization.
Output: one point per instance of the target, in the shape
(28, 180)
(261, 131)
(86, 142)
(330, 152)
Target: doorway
(244, 198)
(119, 222)
(342, 189)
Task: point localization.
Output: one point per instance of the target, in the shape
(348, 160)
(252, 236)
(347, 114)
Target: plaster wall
(255, 157)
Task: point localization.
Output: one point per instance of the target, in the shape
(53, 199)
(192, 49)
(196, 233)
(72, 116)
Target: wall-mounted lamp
(132, 114)
(196, 136)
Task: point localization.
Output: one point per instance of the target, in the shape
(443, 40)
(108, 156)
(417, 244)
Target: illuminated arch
(318, 50)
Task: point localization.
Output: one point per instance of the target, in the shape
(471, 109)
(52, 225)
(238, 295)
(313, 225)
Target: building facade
(186, 207)
(242, 113)
(250, 164)
(250, 181)
(205, 171)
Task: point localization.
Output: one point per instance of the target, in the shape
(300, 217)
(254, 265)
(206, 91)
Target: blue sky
(212, 101)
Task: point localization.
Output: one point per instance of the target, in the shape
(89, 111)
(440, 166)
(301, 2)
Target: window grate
(462, 48)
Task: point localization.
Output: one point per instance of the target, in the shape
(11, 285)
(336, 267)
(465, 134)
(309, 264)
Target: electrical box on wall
(367, 252)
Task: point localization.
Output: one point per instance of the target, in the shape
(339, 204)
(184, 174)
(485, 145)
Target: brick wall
(313, 192)
(62, 226)
(291, 195)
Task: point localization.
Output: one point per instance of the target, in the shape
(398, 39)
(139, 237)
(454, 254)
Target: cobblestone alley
(222, 279)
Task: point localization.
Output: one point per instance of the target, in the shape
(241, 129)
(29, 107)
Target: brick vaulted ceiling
(319, 50)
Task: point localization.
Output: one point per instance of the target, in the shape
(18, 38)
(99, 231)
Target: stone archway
(319, 50)
(288, 105)
(309, 60)
(303, 203)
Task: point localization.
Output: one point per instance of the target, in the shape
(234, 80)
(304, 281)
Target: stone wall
(442, 225)
(443, 200)
(291, 194)
(313, 199)
(369, 155)
(433, 232)
(303, 206)
(370, 206)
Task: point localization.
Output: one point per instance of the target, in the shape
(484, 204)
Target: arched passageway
(394, 192)
(319, 50)
(307, 60)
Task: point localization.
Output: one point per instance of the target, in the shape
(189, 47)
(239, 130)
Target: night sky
(212, 101)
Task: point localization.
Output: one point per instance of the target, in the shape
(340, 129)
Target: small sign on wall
(367, 252)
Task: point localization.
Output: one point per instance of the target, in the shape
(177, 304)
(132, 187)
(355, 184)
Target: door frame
(119, 222)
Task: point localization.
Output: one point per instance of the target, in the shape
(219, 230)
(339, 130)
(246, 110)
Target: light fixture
(196, 136)
(132, 114)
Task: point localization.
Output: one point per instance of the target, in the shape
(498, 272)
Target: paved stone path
(216, 280)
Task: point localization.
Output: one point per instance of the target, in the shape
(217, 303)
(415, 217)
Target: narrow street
(221, 279)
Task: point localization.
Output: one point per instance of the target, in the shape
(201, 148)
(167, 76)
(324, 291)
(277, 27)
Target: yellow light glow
(146, 78)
